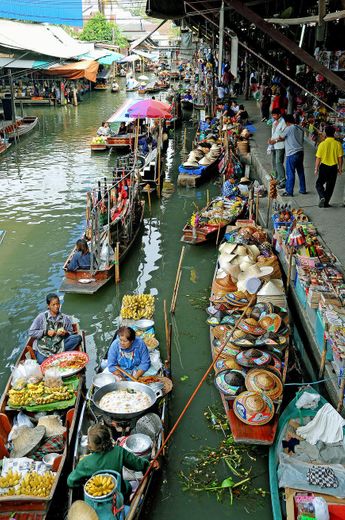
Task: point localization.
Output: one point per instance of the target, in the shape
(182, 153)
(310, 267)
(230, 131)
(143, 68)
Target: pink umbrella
(150, 108)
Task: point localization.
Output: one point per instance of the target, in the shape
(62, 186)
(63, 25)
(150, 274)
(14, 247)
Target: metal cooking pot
(125, 385)
(103, 379)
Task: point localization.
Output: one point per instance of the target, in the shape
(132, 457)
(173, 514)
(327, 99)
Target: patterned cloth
(322, 476)
(51, 445)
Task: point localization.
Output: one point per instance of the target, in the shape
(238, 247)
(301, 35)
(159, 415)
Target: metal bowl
(138, 443)
(103, 379)
(144, 324)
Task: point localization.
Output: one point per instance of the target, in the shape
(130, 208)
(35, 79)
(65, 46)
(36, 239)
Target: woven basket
(243, 147)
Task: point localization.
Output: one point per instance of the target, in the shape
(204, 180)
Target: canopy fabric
(130, 59)
(150, 108)
(122, 113)
(146, 55)
(41, 39)
(111, 58)
(11, 63)
(81, 69)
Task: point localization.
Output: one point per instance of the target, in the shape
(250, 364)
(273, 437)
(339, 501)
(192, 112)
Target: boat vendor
(122, 129)
(53, 331)
(105, 457)
(104, 129)
(81, 259)
(129, 353)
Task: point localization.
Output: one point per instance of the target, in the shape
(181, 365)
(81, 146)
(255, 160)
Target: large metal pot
(125, 385)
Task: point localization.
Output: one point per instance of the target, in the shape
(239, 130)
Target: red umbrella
(150, 108)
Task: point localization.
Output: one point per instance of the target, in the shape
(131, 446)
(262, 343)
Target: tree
(98, 29)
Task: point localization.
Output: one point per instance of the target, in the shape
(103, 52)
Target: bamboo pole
(117, 263)
(323, 358)
(218, 233)
(174, 298)
(185, 139)
(166, 324)
(288, 280)
(207, 197)
(177, 281)
(257, 198)
(192, 397)
(268, 211)
(341, 394)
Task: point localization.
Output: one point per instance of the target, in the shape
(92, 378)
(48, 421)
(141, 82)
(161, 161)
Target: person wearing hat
(53, 331)
(104, 456)
(328, 163)
(278, 151)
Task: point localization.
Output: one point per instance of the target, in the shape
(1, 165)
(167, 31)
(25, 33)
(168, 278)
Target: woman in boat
(122, 129)
(104, 129)
(129, 353)
(53, 331)
(81, 259)
(105, 456)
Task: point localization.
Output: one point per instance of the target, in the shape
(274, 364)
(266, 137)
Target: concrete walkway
(330, 222)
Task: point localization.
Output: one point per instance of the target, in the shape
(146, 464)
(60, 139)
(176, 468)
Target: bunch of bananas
(99, 485)
(137, 306)
(33, 484)
(39, 393)
(11, 479)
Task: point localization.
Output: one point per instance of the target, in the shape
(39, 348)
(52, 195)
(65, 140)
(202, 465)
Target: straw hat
(251, 326)
(254, 271)
(226, 247)
(196, 154)
(271, 322)
(206, 161)
(253, 358)
(80, 510)
(241, 251)
(230, 382)
(246, 264)
(253, 251)
(26, 440)
(227, 363)
(251, 284)
(245, 180)
(272, 288)
(260, 380)
(52, 424)
(253, 408)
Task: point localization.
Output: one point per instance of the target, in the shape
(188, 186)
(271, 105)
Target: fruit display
(37, 394)
(221, 212)
(99, 485)
(137, 306)
(33, 484)
(98, 140)
(12, 478)
(150, 341)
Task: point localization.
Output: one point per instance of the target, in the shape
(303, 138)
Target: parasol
(143, 78)
(150, 108)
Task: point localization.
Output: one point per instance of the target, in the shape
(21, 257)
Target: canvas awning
(11, 63)
(81, 69)
(145, 55)
(130, 59)
(111, 58)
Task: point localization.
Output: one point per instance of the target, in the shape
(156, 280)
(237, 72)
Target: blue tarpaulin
(56, 12)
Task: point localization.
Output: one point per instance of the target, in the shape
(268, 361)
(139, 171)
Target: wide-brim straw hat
(253, 408)
(271, 322)
(254, 271)
(241, 250)
(196, 154)
(226, 247)
(253, 358)
(245, 180)
(52, 424)
(230, 382)
(227, 363)
(251, 326)
(272, 288)
(260, 380)
(26, 440)
(253, 251)
(80, 510)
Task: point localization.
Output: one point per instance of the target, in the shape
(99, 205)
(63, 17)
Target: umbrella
(150, 108)
(143, 78)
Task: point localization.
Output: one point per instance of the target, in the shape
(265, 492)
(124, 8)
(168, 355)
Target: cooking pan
(125, 385)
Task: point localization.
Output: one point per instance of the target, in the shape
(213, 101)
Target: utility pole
(221, 41)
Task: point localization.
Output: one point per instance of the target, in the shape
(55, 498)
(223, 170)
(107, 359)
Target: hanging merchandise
(273, 192)
(296, 238)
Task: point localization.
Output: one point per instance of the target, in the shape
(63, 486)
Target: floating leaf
(227, 483)
(184, 378)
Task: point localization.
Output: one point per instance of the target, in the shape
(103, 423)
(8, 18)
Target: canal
(43, 185)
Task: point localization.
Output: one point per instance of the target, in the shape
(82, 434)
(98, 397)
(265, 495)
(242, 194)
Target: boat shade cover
(130, 59)
(86, 69)
(111, 58)
(42, 11)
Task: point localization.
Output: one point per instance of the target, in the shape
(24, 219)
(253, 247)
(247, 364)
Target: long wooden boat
(22, 126)
(100, 86)
(209, 228)
(129, 220)
(243, 432)
(35, 101)
(89, 416)
(283, 501)
(122, 141)
(30, 507)
(4, 146)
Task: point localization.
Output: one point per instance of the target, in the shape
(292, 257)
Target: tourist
(103, 130)
(242, 115)
(265, 102)
(53, 331)
(81, 259)
(106, 456)
(293, 137)
(328, 163)
(278, 147)
(129, 353)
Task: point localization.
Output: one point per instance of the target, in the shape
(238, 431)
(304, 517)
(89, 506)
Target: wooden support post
(323, 358)
(218, 233)
(268, 210)
(207, 197)
(257, 198)
(185, 139)
(177, 281)
(288, 280)
(117, 263)
(341, 394)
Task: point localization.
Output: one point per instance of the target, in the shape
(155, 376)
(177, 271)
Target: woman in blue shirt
(129, 353)
(81, 258)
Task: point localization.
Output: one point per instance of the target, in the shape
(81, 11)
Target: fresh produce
(11, 479)
(150, 341)
(39, 394)
(99, 485)
(36, 485)
(137, 306)
(98, 140)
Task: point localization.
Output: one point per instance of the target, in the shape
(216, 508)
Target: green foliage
(98, 29)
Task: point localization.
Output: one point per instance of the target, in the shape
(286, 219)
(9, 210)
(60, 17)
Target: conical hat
(272, 288)
(260, 380)
(226, 247)
(26, 440)
(205, 161)
(190, 164)
(52, 424)
(254, 271)
(80, 510)
(253, 408)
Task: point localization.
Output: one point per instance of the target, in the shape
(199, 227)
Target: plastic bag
(270, 148)
(27, 372)
(52, 378)
(21, 419)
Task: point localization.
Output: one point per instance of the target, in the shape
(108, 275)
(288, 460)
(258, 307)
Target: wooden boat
(242, 432)
(4, 146)
(98, 147)
(23, 126)
(122, 141)
(100, 86)
(208, 229)
(283, 503)
(34, 101)
(28, 507)
(115, 88)
(89, 416)
(123, 231)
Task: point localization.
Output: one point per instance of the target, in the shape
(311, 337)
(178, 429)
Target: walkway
(328, 221)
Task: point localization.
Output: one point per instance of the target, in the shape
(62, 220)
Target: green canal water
(43, 185)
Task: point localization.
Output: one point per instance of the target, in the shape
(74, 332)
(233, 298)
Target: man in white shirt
(278, 152)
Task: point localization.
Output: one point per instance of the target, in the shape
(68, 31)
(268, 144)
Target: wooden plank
(285, 42)
(242, 432)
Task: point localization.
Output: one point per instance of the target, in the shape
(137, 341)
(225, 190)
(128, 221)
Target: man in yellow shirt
(328, 163)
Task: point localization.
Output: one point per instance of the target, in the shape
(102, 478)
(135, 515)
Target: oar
(126, 374)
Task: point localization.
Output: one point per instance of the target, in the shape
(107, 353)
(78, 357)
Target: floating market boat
(114, 219)
(22, 126)
(115, 140)
(212, 220)
(148, 424)
(99, 144)
(291, 493)
(101, 86)
(30, 502)
(115, 87)
(251, 368)
(4, 146)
